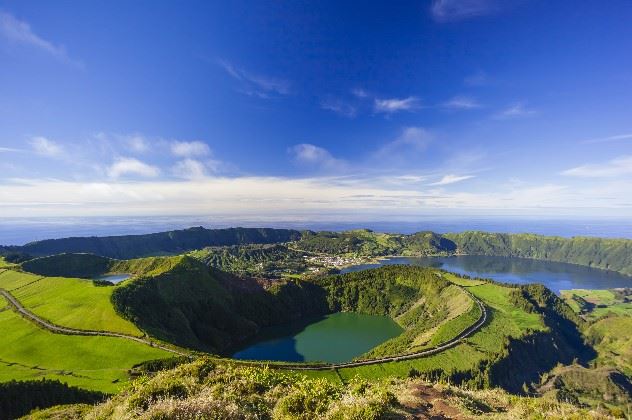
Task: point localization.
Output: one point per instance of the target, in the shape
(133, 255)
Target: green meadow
(97, 363)
(594, 304)
(74, 303)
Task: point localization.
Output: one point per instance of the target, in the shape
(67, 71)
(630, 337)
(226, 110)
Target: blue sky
(316, 110)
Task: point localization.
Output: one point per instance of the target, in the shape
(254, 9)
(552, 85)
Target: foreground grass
(206, 389)
(74, 303)
(97, 363)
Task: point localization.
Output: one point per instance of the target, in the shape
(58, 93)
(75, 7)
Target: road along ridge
(417, 355)
(58, 329)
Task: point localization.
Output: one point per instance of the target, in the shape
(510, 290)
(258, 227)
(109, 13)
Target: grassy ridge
(97, 363)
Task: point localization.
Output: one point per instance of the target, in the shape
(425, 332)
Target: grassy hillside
(609, 324)
(75, 303)
(594, 304)
(194, 306)
(172, 242)
(97, 363)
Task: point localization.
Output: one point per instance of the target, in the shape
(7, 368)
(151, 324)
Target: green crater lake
(333, 338)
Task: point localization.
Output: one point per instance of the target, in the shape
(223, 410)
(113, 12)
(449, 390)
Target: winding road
(424, 353)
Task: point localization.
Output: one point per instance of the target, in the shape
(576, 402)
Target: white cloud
(389, 106)
(189, 169)
(360, 93)
(256, 84)
(309, 154)
(130, 166)
(288, 199)
(412, 139)
(19, 32)
(516, 110)
(451, 179)
(137, 143)
(455, 10)
(190, 149)
(618, 167)
(618, 137)
(461, 102)
(339, 107)
(8, 149)
(45, 147)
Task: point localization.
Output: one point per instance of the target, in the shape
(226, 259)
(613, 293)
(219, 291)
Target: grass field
(613, 341)
(98, 363)
(5, 264)
(75, 303)
(594, 304)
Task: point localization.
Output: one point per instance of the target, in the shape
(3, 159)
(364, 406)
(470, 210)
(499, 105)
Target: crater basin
(333, 338)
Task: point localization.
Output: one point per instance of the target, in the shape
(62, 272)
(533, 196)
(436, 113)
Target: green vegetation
(69, 265)
(209, 389)
(163, 243)
(5, 264)
(588, 387)
(193, 306)
(18, 398)
(269, 261)
(514, 347)
(612, 338)
(74, 303)
(95, 363)
(609, 327)
(594, 304)
(608, 254)
(364, 242)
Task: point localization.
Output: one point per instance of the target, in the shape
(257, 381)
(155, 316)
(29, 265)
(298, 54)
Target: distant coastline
(19, 231)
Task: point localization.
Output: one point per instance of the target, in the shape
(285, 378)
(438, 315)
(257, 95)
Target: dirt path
(57, 329)
(432, 404)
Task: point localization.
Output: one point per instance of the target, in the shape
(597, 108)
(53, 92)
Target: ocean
(18, 231)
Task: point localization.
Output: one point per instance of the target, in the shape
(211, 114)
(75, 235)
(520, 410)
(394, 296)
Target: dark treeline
(18, 398)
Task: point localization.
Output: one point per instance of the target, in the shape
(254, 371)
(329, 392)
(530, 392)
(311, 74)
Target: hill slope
(171, 242)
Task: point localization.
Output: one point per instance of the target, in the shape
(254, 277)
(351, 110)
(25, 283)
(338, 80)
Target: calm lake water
(333, 338)
(113, 278)
(556, 276)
